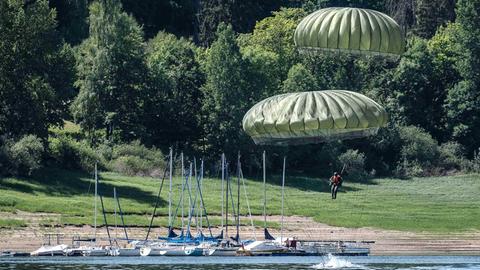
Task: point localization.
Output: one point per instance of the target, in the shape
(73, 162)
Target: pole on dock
(95, 205)
(264, 192)
(283, 196)
(183, 190)
(238, 197)
(170, 190)
(223, 179)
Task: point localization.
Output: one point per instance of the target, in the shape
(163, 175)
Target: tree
(241, 14)
(172, 107)
(419, 90)
(430, 15)
(463, 101)
(211, 14)
(299, 79)
(111, 74)
(270, 50)
(226, 95)
(72, 19)
(175, 16)
(403, 11)
(36, 69)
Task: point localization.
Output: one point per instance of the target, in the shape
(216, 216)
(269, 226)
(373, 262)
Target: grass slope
(437, 204)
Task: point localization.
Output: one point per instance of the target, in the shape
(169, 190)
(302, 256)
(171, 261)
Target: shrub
(475, 164)
(419, 152)
(452, 157)
(72, 154)
(354, 163)
(24, 156)
(137, 159)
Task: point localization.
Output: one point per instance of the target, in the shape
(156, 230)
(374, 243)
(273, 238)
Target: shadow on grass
(306, 183)
(58, 182)
(20, 187)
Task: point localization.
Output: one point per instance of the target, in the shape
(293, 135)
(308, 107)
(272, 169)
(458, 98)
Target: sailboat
(269, 246)
(47, 249)
(93, 249)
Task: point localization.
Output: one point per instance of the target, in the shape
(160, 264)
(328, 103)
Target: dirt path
(385, 242)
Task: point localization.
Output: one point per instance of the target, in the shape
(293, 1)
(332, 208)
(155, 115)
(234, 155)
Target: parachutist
(335, 182)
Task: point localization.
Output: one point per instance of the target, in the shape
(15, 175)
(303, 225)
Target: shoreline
(384, 242)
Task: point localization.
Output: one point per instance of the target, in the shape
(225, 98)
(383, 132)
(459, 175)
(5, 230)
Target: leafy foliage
(111, 73)
(36, 69)
(171, 105)
(227, 94)
(136, 159)
(21, 157)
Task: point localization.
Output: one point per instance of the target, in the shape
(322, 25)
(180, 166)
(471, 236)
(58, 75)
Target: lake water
(243, 263)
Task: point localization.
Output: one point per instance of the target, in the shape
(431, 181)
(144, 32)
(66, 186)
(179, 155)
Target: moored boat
(58, 250)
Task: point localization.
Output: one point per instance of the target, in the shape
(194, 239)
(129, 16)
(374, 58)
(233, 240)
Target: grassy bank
(440, 204)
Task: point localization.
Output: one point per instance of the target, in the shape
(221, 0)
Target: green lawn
(440, 204)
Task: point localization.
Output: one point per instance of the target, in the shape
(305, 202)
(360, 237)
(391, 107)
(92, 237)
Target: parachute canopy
(313, 117)
(352, 30)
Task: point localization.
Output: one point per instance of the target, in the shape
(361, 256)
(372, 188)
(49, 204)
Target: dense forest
(122, 81)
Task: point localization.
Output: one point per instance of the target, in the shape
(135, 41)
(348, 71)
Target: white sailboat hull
(58, 250)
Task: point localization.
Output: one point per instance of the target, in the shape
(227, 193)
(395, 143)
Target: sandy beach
(384, 242)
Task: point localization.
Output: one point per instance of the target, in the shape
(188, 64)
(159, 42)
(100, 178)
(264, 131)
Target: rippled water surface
(244, 263)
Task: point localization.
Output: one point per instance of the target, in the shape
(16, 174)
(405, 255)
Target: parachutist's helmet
(335, 173)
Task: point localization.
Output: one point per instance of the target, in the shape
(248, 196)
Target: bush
(22, 157)
(419, 152)
(137, 159)
(72, 154)
(354, 163)
(452, 157)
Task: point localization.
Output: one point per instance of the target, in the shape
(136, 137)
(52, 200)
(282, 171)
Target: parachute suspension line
(223, 180)
(248, 203)
(283, 197)
(264, 192)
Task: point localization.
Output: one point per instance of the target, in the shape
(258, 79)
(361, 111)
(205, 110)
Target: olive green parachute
(313, 117)
(352, 30)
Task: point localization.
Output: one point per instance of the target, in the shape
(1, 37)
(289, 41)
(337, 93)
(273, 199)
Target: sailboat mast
(95, 204)
(238, 197)
(189, 198)
(223, 179)
(201, 199)
(264, 192)
(283, 196)
(170, 190)
(226, 201)
(196, 192)
(183, 190)
(115, 211)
